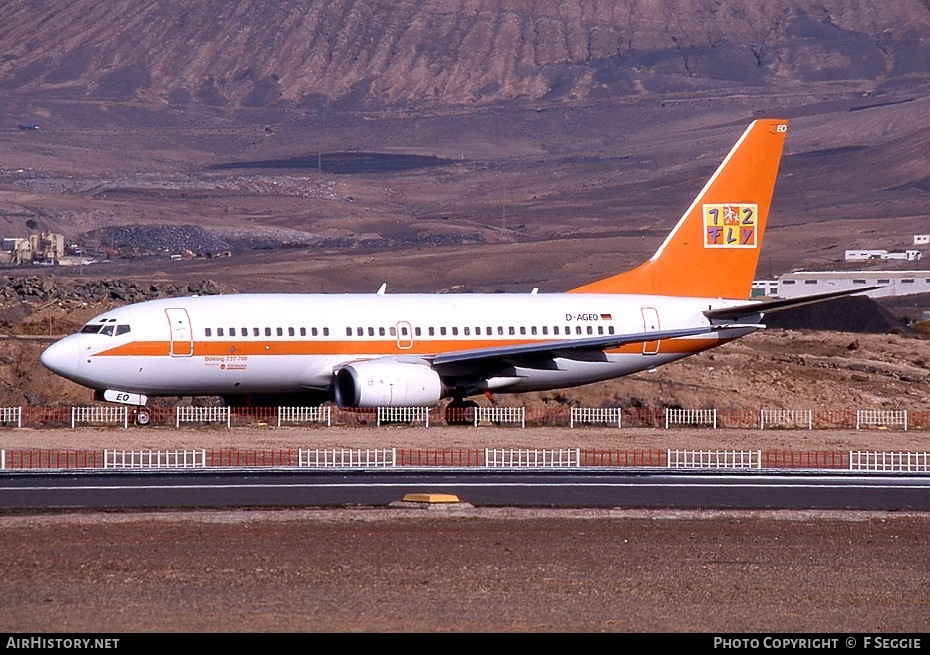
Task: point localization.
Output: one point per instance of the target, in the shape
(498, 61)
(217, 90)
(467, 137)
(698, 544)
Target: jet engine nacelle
(378, 383)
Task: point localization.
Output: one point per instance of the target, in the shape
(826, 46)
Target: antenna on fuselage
(382, 289)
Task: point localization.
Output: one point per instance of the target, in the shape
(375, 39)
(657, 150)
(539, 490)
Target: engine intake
(382, 383)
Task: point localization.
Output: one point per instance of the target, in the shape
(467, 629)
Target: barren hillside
(581, 130)
(367, 54)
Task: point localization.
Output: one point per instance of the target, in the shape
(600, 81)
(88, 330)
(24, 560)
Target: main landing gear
(460, 412)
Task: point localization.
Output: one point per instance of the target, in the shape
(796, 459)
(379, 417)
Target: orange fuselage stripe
(336, 348)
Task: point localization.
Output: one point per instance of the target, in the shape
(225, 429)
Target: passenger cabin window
(267, 331)
(219, 332)
(232, 332)
(208, 332)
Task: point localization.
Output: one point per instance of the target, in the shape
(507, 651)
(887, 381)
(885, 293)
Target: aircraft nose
(62, 357)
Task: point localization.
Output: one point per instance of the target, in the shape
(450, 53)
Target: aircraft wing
(574, 348)
(767, 306)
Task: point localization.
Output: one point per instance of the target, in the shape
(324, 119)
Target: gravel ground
(460, 569)
(466, 571)
(257, 438)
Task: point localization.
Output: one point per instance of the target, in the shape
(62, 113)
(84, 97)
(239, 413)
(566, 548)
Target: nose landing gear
(141, 416)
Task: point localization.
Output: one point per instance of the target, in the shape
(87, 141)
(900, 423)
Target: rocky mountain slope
(409, 53)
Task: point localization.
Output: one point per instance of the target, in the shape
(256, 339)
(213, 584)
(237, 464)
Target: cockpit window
(109, 329)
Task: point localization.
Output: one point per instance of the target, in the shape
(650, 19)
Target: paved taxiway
(586, 488)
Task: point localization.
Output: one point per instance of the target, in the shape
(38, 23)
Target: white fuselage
(289, 343)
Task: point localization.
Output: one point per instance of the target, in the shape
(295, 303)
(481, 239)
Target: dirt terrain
(457, 571)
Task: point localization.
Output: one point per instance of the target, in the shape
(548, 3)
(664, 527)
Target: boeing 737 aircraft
(394, 350)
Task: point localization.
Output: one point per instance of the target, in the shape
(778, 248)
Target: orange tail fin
(714, 249)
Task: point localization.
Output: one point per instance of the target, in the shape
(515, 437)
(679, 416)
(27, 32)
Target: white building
(805, 283)
(865, 255)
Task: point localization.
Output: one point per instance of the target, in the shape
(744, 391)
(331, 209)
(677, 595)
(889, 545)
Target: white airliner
(394, 350)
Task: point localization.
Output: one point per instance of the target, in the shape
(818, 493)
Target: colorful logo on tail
(731, 225)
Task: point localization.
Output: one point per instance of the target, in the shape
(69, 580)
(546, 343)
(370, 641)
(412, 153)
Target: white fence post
(403, 415)
(519, 458)
(881, 418)
(595, 415)
(889, 461)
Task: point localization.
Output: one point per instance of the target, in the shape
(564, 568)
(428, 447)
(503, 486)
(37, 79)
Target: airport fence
(324, 416)
(322, 458)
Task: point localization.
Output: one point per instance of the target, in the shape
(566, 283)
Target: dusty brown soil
(272, 438)
(399, 570)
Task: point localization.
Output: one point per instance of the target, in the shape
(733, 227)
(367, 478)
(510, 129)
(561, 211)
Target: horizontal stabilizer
(769, 306)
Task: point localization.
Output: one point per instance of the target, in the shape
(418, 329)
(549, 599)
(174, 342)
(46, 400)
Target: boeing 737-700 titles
(393, 350)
